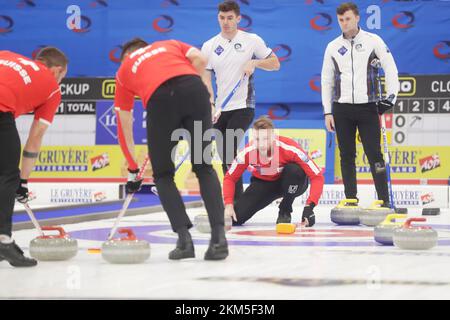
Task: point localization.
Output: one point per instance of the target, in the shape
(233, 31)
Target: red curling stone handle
(411, 220)
(61, 231)
(129, 232)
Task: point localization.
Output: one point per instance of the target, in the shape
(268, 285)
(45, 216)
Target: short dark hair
(230, 6)
(52, 57)
(344, 7)
(132, 45)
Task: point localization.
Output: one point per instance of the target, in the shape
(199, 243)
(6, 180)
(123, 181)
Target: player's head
(348, 16)
(55, 60)
(263, 134)
(131, 46)
(229, 16)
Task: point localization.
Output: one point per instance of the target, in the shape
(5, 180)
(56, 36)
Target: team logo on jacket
(359, 47)
(293, 189)
(342, 50)
(238, 47)
(219, 50)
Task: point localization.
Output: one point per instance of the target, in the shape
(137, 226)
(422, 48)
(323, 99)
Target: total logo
(403, 20)
(321, 22)
(283, 52)
(279, 112)
(36, 51)
(26, 4)
(98, 4)
(440, 50)
(85, 25)
(168, 3)
(114, 54)
(314, 83)
(163, 23)
(309, 2)
(6, 24)
(246, 23)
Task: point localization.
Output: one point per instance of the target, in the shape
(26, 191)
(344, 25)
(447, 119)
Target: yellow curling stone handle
(390, 217)
(343, 202)
(286, 228)
(377, 205)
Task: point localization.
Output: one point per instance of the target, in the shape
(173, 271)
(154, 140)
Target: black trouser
(364, 117)
(9, 170)
(232, 120)
(176, 104)
(293, 182)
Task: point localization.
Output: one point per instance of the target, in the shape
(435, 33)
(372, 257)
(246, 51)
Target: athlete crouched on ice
(280, 168)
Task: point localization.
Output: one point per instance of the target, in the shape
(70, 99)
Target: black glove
(22, 191)
(308, 215)
(133, 184)
(385, 105)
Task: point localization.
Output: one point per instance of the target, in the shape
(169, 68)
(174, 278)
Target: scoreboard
(421, 115)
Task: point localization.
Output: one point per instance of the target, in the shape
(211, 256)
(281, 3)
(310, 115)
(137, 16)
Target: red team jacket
(285, 151)
(26, 86)
(143, 71)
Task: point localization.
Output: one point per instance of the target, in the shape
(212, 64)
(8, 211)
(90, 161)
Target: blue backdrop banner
(91, 33)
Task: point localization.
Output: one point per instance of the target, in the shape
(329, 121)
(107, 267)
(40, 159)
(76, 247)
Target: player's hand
(249, 68)
(329, 122)
(133, 184)
(384, 105)
(308, 217)
(229, 212)
(22, 192)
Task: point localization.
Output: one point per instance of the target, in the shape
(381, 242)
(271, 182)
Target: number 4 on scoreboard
(444, 106)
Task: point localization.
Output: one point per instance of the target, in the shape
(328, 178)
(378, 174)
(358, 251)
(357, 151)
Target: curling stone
(53, 247)
(375, 214)
(201, 223)
(127, 250)
(415, 238)
(384, 231)
(346, 212)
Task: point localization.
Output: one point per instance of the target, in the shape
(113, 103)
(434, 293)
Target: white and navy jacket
(347, 74)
